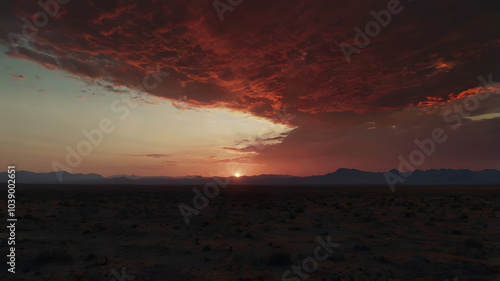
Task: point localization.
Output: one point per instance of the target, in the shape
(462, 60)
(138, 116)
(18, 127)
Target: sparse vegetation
(279, 259)
(473, 243)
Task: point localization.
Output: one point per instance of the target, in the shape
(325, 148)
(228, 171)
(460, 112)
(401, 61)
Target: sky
(178, 88)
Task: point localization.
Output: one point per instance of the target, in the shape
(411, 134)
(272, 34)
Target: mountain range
(341, 177)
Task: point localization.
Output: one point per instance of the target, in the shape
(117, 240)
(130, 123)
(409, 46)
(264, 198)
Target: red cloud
(267, 55)
(17, 76)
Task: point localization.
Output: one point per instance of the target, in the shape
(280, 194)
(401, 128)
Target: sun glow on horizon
(237, 175)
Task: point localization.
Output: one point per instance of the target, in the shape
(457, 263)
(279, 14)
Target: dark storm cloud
(374, 141)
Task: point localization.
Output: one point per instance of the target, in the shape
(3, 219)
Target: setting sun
(237, 175)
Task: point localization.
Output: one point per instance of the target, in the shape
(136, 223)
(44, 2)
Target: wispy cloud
(152, 155)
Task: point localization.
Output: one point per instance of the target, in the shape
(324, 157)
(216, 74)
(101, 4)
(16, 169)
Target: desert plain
(104, 233)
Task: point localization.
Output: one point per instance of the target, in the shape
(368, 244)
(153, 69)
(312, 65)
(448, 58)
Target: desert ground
(255, 233)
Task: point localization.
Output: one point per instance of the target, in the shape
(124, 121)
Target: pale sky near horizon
(48, 109)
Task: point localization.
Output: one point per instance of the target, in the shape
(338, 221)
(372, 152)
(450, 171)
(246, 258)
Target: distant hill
(340, 177)
(50, 178)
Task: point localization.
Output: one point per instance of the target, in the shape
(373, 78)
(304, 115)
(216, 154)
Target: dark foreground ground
(246, 233)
